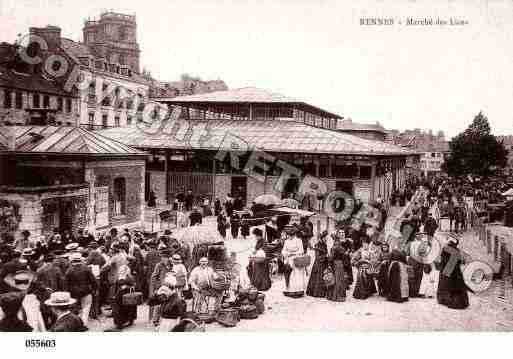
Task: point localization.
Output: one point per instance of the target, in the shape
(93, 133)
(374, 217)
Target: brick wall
(133, 176)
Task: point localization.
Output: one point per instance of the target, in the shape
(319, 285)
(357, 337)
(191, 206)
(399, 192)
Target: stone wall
(133, 173)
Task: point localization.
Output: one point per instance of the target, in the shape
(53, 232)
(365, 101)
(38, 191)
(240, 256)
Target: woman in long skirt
(365, 286)
(452, 290)
(234, 225)
(316, 286)
(339, 261)
(397, 283)
(221, 225)
(295, 277)
(124, 315)
(244, 226)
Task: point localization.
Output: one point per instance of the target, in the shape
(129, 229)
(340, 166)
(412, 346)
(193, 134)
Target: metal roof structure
(271, 136)
(60, 140)
(349, 125)
(245, 95)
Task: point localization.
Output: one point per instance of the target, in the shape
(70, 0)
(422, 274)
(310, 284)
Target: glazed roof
(242, 95)
(60, 139)
(272, 136)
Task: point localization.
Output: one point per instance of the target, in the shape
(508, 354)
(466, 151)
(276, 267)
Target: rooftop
(271, 136)
(349, 125)
(60, 139)
(245, 95)
(32, 81)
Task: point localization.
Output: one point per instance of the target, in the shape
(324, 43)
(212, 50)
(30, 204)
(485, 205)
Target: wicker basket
(302, 261)
(248, 312)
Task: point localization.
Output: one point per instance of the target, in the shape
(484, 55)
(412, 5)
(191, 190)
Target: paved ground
(487, 311)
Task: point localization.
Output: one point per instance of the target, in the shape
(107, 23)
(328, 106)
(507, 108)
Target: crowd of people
(60, 283)
(358, 255)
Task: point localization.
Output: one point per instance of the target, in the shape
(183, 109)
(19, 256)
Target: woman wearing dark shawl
(452, 290)
(339, 262)
(398, 289)
(383, 270)
(316, 286)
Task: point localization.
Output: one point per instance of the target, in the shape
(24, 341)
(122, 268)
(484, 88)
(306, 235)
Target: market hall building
(187, 148)
(68, 178)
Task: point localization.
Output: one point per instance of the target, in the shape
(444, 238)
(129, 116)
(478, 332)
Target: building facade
(212, 145)
(29, 95)
(68, 178)
(111, 88)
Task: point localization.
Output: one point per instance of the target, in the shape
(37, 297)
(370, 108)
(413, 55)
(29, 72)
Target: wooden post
(373, 181)
(166, 172)
(495, 247)
(488, 242)
(214, 163)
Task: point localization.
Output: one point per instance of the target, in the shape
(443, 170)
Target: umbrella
(198, 234)
(290, 202)
(267, 200)
(508, 193)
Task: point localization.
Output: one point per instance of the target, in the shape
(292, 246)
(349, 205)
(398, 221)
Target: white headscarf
(123, 271)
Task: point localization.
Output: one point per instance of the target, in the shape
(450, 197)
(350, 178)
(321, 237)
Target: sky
(429, 77)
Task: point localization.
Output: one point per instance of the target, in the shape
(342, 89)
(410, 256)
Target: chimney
(51, 34)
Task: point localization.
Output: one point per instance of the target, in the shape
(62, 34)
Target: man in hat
(61, 303)
(81, 283)
(49, 278)
(94, 256)
(49, 275)
(195, 217)
(61, 260)
(162, 269)
(151, 261)
(10, 303)
(189, 199)
(23, 242)
(16, 264)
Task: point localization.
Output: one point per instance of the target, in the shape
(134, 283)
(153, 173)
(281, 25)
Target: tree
(475, 151)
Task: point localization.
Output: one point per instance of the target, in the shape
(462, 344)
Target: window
(116, 121)
(129, 120)
(104, 121)
(35, 100)
(46, 101)
(68, 105)
(59, 104)
(18, 99)
(91, 121)
(365, 172)
(7, 99)
(121, 60)
(119, 196)
(433, 154)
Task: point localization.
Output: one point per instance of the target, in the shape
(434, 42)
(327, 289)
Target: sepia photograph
(255, 166)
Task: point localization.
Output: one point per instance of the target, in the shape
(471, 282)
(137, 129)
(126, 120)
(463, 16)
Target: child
(429, 283)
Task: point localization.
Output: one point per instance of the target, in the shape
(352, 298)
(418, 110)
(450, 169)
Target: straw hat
(60, 299)
(72, 246)
(20, 280)
(75, 257)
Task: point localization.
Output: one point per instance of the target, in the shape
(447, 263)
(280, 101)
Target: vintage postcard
(255, 166)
